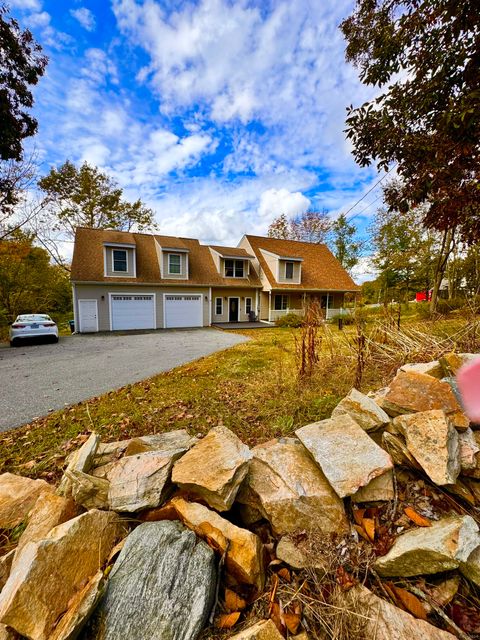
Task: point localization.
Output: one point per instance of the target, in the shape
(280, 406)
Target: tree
(85, 197)
(426, 122)
(346, 246)
(28, 281)
(310, 226)
(21, 66)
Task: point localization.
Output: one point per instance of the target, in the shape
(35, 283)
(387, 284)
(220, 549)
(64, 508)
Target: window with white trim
(218, 306)
(174, 264)
(234, 269)
(120, 260)
(280, 302)
(248, 305)
(289, 270)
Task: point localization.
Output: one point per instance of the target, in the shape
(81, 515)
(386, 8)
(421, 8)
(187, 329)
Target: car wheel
(55, 339)
(13, 343)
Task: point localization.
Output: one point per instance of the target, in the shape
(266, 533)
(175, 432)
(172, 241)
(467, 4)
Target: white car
(33, 325)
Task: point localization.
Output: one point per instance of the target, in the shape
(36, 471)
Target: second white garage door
(183, 311)
(133, 312)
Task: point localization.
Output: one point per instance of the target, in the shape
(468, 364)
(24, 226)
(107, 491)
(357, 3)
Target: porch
(280, 304)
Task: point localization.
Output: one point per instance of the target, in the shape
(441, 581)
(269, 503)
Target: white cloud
(85, 17)
(277, 201)
(26, 5)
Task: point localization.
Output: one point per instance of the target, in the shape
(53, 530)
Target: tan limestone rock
(168, 441)
(264, 630)
(141, 481)
(296, 554)
(17, 497)
(474, 471)
(387, 622)
(468, 449)
(214, 468)
(364, 410)
(452, 362)
(49, 511)
(377, 490)
(411, 392)
(244, 558)
(445, 545)
(396, 447)
(79, 609)
(50, 573)
(109, 452)
(433, 368)
(433, 441)
(286, 486)
(89, 491)
(5, 567)
(81, 460)
(346, 454)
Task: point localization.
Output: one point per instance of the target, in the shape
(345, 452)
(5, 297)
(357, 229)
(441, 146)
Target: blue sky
(219, 115)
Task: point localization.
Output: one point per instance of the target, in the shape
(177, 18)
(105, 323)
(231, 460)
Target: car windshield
(33, 317)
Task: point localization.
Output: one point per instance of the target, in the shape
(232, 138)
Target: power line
(369, 191)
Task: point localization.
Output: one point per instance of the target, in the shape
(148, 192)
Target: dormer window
(174, 264)
(120, 260)
(289, 270)
(234, 269)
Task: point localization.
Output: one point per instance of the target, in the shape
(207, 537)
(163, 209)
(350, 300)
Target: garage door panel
(133, 312)
(182, 310)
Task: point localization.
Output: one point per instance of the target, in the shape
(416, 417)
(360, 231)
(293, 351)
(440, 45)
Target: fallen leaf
(227, 620)
(369, 526)
(417, 518)
(292, 621)
(285, 574)
(358, 516)
(361, 532)
(410, 602)
(233, 601)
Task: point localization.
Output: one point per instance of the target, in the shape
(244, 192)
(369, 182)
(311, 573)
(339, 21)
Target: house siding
(231, 293)
(95, 292)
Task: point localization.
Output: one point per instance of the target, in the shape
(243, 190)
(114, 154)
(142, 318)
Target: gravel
(37, 379)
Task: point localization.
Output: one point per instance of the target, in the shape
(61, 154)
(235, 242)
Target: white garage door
(133, 312)
(183, 311)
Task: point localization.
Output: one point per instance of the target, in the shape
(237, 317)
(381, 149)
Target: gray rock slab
(161, 588)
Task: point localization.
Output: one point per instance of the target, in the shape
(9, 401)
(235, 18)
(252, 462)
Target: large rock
(161, 586)
(364, 410)
(141, 481)
(244, 557)
(81, 460)
(168, 441)
(6, 562)
(214, 468)
(89, 491)
(453, 362)
(348, 457)
(80, 608)
(433, 441)
(444, 546)
(474, 470)
(50, 573)
(49, 511)
(263, 630)
(433, 368)
(288, 489)
(468, 449)
(387, 622)
(471, 567)
(17, 497)
(377, 490)
(410, 392)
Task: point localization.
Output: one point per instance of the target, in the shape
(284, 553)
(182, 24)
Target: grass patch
(253, 389)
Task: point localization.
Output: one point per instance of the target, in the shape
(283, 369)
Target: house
(125, 280)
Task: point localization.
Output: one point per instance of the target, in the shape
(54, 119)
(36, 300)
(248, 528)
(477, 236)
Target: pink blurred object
(468, 379)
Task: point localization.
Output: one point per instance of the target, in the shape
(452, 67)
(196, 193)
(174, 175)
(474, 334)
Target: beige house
(126, 281)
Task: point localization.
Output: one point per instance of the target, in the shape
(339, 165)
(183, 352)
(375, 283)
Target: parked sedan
(33, 325)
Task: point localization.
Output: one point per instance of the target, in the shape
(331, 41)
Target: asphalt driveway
(36, 379)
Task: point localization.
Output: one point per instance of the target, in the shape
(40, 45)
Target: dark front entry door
(233, 304)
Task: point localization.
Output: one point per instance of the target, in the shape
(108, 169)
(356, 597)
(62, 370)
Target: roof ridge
(317, 244)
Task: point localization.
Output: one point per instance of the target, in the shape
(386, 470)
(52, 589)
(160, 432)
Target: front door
(233, 305)
(88, 316)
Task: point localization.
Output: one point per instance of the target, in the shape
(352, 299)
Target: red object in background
(421, 296)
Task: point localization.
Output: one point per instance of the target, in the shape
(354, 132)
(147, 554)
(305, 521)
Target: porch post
(270, 306)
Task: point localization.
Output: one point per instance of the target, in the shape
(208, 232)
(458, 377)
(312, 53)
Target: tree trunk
(441, 265)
